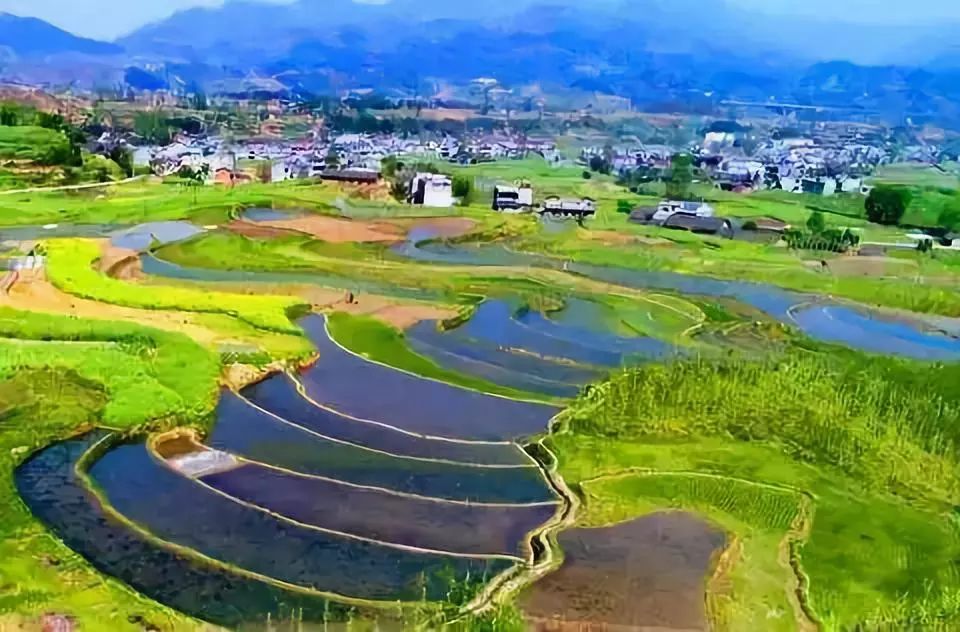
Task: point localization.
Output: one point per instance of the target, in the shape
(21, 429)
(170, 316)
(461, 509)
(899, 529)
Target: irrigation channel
(292, 501)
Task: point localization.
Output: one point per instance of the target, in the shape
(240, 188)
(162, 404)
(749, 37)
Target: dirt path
(38, 295)
(338, 231)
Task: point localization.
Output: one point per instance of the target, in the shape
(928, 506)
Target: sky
(108, 19)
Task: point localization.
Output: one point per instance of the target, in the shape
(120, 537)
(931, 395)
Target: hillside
(30, 37)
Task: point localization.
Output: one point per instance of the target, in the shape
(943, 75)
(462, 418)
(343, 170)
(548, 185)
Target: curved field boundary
(73, 187)
(503, 588)
(788, 554)
(326, 328)
(81, 468)
(292, 424)
(303, 393)
(392, 492)
(312, 527)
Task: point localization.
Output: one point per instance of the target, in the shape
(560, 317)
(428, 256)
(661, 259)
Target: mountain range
(650, 51)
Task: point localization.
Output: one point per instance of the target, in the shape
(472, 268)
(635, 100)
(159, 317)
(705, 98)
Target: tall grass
(892, 424)
(70, 268)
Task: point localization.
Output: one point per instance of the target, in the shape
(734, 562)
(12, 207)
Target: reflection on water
(182, 511)
(343, 381)
(48, 485)
(142, 237)
(859, 328)
(268, 215)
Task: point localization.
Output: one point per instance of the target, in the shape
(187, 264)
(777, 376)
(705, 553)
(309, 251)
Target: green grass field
(872, 443)
(58, 375)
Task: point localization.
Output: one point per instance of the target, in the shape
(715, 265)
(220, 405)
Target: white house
(668, 208)
(431, 189)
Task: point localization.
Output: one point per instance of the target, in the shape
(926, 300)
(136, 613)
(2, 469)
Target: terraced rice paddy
(341, 380)
(702, 462)
(291, 510)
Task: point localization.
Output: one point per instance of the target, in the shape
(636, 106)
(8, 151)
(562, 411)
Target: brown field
(646, 574)
(338, 231)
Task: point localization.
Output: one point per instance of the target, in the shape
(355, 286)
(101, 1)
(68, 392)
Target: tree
(124, 158)
(599, 164)
(816, 224)
(333, 159)
(887, 205)
(680, 178)
(389, 166)
(624, 206)
(9, 115)
(463, 189)
(950, 216)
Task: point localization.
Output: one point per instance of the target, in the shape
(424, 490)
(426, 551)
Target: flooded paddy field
(49, 485)
(184, 512)
(554, 355)
(648, 573)
(916, 336)
(256, 435)
(279, 395)
(415, 522)
(341, 380)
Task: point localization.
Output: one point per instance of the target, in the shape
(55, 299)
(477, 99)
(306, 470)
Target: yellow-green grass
(28, 142)
(148, 374)
(39, 574)
(70, 268)
(382, 343)
(57, 375)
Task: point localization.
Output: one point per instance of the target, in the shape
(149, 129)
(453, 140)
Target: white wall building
(431, 189)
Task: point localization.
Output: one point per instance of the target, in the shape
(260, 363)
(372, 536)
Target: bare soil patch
(120, 263)
(871, 266)
(646, 574)
(39, 295)
(445, 227)
(335, 230)
(257, 230)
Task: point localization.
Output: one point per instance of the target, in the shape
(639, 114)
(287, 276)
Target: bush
(587, 175)
(887, 204)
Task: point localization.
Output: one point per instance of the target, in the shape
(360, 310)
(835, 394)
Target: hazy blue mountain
(30, 37)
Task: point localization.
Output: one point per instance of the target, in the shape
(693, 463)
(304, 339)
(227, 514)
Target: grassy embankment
(872, 443)
(70, 268)
(58, 375)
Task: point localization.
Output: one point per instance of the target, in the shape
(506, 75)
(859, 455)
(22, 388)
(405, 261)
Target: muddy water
(647, 573)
